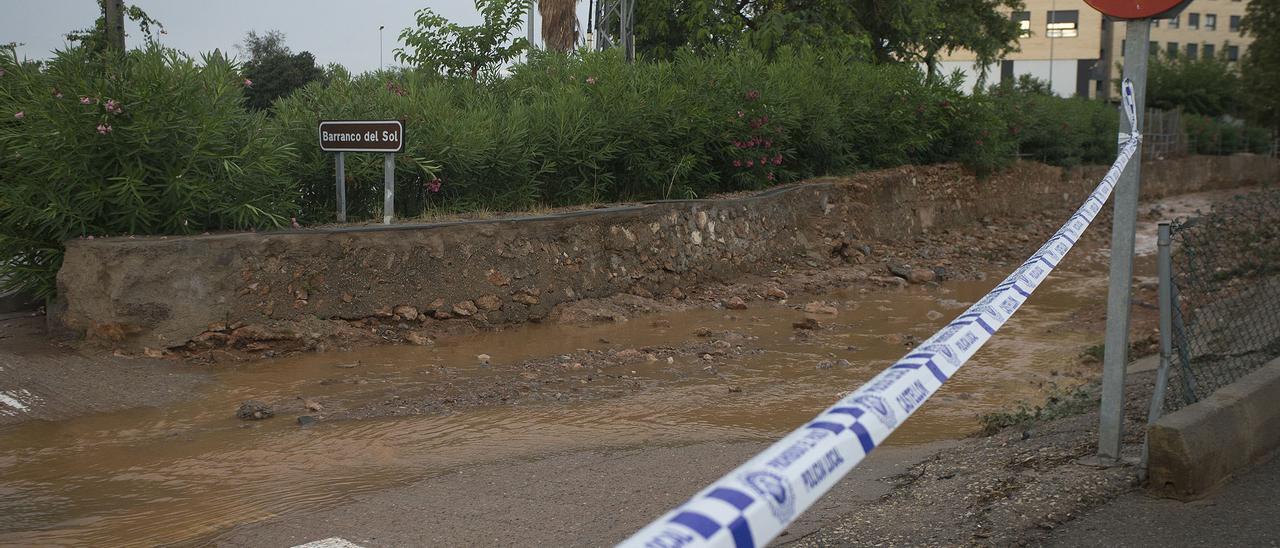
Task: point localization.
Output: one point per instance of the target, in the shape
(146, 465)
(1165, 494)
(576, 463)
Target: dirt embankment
(314, 289)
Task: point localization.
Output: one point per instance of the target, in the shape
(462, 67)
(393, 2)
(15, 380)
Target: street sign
(362, 136)
(385, 136)
(1137, 9)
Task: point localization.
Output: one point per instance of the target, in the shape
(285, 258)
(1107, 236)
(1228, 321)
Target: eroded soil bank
(324, 288)
(563, 413)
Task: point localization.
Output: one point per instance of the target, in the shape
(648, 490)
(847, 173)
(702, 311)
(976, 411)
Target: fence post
(1124, 223)
(1164, 272)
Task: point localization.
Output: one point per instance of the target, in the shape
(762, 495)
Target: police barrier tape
(751, 505)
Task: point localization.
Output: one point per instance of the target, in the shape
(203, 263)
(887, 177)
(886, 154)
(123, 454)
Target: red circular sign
(1135, 9)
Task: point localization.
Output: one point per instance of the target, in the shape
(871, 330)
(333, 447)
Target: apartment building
(1072, 46)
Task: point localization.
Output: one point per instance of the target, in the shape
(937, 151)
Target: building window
(1193, 51)
(1193, 20)
(1023, 19)
(1210, 21)
(1208, 51)
(1063, 24)
(1153, 48)
(1173, 23)
(1234, 23)
(1233, 53)
(1171, 49)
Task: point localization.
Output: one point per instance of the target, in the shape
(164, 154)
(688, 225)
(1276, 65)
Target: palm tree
(559, 24)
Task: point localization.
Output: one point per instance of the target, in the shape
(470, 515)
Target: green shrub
(1056, 130)
(147, 142)
(588, 127)
(1206, 135)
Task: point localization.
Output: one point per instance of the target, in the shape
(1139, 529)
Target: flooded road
(184, 474)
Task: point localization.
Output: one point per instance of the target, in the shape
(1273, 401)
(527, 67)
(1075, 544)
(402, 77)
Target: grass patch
(1061, 403)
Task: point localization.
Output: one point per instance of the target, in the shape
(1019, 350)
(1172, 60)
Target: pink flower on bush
(770, 175)
(777, 160)
(113, 106)
(433, 186)
(768, 143)
(57, 94)
(293, 221)
(85, 100)
(753, 95)
(248, 82)
(750, 163)
(20, 115)
(104, 129)
(737, 163)
(764, 160)
(591, 80)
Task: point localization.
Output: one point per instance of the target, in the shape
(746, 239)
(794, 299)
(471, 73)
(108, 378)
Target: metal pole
(380, 27)
(628, 37)
(1053, 18)
(1164, 272)
(530, 25)
(389, 184)
(1116, 357)
(342, 187)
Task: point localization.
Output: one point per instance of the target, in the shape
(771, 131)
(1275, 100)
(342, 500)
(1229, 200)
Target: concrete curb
(1197, 448)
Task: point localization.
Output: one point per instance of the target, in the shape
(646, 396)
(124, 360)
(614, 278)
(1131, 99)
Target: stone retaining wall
(153, 293)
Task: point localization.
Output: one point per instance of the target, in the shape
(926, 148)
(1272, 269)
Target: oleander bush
(1056, 130)
(148, 142)
(588, 128)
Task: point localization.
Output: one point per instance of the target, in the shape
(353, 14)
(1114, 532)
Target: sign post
(385, 136)
(342, 187)
(1124, 223)
(388, 187)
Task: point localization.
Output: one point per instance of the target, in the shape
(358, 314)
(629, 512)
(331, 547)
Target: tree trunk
(559, 24)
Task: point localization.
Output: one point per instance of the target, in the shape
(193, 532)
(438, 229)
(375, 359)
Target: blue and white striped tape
(751, 505)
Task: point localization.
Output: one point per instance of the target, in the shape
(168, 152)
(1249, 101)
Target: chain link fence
(1163, 135)
(1225, 295)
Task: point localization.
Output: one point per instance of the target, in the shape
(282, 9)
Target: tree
(273, 71)
(439, 45)
(665, 26)
(95, 37)
(559, 24)
(1260, 69)
(1206, 86)
(922, 30)
(889, 30)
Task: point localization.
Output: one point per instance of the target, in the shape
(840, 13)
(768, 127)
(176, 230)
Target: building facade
(1075, 49)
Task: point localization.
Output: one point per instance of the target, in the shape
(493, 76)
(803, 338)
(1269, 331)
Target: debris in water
(254, 410)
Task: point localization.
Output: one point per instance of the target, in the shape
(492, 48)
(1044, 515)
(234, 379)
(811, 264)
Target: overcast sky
(335, 31)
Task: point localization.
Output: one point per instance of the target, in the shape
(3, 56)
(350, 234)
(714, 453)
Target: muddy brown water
(182, 473)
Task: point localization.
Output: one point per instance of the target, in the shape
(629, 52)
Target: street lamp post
(380, 27)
